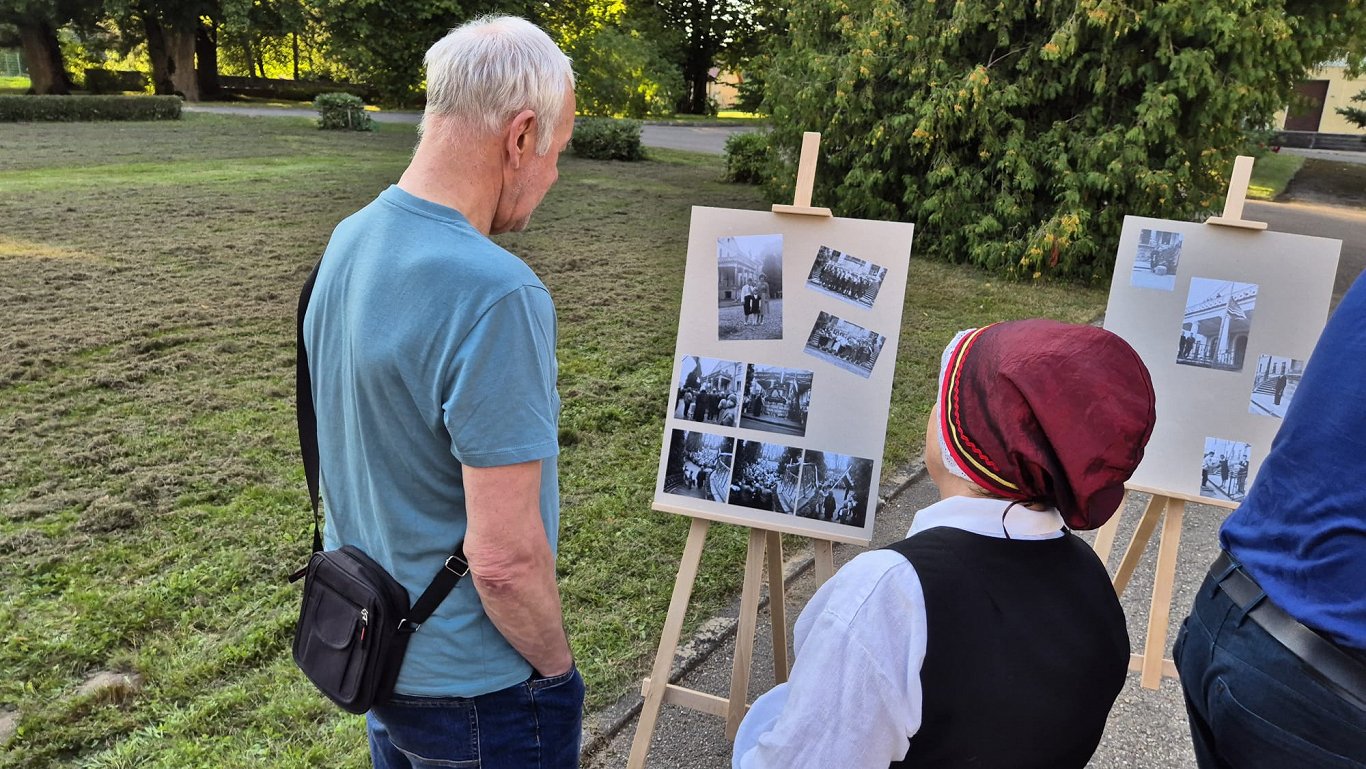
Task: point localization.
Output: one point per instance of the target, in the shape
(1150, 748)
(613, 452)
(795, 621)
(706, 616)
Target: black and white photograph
(1274, 385)
(749, 287)
(1223, 471)
(708, 391)
(834, 487)
(1215, 327)
(699, 465)
(1159, 253)
(846, 276)
(766, 477)
(776, 399)
(847, 345)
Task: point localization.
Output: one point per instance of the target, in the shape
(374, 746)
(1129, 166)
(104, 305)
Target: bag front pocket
(333, 650)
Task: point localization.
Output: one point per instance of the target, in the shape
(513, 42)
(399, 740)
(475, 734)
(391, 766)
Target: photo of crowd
(766, 477)
(847, 277)
(749, 287)
(834, 487)
(847, 345)
(776, 399)
(1274, 385)
(1223, 470)
(1216, 324)
(699, 465)
(708, 391)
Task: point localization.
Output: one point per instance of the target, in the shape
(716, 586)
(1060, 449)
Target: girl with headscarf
(991, 636)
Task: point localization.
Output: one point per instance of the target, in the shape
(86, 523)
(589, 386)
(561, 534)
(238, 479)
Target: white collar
(984, 516)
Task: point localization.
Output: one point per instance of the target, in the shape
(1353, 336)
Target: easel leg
(1160, 611)
(777, 606)
(1105, 536)
(668, 643)
(825, 560)
(744, 632)
(1139, 542)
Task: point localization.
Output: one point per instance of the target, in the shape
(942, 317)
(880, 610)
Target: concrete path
(710, 139)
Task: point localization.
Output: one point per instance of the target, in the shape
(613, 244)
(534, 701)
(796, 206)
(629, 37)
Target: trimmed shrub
(102, 81)
(601, 138)
(746, 157)
(290, 90)
(342, 112)
(16, 109)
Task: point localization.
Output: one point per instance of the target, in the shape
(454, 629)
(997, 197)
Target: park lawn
(15, 84)
(151, 499)
(1271, 173)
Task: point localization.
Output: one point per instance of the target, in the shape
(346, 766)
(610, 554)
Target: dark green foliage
(289, 90)
(342, 112)
(1355, 115)
(747, 157)
(608, 139)
(1018, 135)
(103, 81)
(23, 109)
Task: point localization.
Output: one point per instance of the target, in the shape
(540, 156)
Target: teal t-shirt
(430, 348)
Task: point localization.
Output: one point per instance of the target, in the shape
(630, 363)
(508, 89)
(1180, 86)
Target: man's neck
(462, 175)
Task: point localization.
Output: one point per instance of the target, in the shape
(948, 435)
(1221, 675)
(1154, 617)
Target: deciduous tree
(1017, 135)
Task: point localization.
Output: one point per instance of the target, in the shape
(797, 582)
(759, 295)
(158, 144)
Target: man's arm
(512, 565)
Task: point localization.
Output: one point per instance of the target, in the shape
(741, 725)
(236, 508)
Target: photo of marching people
(749, 287)
(847, 345)
(708, 391)
(766, 477)
(1158, 255)
(776, 399)
(847, 277)
(834, 487)
(1274, 385)
(699, 465)
(1215, 328)
(1223, 471)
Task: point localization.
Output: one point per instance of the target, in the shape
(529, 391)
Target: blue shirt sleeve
(502, 407)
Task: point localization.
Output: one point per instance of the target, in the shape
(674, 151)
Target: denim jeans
(535, 724)
(1252, 703)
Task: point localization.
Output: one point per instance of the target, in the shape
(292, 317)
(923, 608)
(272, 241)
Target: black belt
(1332, 663)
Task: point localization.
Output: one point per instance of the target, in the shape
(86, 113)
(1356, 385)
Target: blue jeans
(535, 724)
(1252, 703)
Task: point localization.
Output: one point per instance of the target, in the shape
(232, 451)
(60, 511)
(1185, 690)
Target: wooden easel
(656, 689)
(1168, 507)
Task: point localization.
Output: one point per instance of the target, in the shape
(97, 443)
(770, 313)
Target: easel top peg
(1237, 196)
(806, 180)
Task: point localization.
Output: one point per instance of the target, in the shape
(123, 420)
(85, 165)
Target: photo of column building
(1216, 325)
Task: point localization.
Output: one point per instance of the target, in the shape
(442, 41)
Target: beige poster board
(1225, 319)
(778, 405)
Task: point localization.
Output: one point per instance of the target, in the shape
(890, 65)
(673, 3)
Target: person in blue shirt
(432, 356)
(1273, 655)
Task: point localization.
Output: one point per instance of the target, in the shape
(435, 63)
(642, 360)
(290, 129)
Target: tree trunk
(180, 59)
(295, 37)
(206, 53)
(156, 51)
(44, 57)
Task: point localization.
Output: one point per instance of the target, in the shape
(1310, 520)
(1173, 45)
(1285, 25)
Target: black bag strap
(455, 566)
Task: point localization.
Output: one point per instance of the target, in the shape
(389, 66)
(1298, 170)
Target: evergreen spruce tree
(1017, 135)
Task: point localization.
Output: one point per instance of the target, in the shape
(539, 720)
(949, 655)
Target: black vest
(1026, 651)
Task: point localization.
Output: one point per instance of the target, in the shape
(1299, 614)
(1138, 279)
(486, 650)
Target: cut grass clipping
(151, 496)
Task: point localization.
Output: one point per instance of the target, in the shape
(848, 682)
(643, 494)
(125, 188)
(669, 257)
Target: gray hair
(487, 70)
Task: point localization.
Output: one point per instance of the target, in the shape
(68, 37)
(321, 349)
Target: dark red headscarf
(1042, 411)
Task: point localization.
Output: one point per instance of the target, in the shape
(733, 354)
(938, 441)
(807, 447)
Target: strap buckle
(406, 625)
(457, 566)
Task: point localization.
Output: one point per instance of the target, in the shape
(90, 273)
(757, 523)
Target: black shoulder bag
(355, 621)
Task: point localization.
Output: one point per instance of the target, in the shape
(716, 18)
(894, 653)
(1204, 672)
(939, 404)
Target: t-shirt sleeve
(502, 407)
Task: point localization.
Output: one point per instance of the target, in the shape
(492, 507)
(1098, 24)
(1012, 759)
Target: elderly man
(991, 636)
(432, 356)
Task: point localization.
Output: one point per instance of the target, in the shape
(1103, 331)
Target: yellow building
(1326, 89)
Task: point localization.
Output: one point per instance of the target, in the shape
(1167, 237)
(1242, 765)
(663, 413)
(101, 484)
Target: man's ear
(520, 137)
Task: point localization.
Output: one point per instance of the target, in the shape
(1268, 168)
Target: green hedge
(102, 81)
(601, 138)
(746, 157)
(15, 109)
(342, 112)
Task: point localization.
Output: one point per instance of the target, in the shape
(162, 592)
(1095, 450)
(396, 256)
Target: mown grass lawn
(151, 500)
(1271, 173)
